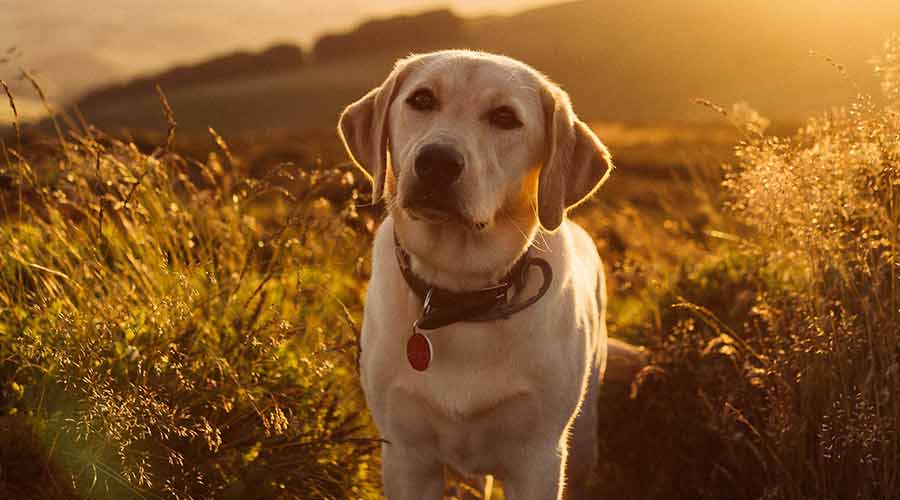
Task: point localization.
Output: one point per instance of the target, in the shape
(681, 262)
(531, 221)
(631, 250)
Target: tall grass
(777, 361)
(172, 329)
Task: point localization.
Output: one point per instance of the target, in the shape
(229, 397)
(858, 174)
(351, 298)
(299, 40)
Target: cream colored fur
(513, 398)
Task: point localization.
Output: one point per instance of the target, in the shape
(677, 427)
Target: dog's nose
(439, 165)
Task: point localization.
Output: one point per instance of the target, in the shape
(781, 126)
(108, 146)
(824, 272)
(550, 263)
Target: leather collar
(443, 307)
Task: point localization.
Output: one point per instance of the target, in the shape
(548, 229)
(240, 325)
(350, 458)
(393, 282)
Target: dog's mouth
(429, 214)
(439, 211)
(435, 214)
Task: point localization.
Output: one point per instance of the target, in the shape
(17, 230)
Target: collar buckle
(426, 306)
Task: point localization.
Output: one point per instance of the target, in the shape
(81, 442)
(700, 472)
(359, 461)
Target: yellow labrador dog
(484, 336)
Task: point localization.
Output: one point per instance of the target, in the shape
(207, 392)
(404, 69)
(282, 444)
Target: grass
(160, 340)
(775, 359)
(178, 319)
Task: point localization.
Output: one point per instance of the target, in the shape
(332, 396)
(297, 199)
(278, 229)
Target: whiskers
(540, 239)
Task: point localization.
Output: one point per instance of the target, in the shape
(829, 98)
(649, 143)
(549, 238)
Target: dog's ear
(576, 162)
(363, 127)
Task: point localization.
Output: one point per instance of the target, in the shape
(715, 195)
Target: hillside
(237, 65)
(621, 61)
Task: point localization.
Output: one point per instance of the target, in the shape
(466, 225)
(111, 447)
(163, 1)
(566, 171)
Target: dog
(484, 337)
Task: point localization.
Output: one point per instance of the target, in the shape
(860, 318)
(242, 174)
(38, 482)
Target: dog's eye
(422, 100)
(504, 117)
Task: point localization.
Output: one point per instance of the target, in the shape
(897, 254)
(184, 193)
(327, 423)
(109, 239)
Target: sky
(73, 45)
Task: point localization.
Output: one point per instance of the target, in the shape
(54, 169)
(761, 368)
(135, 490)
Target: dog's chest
(474, 367)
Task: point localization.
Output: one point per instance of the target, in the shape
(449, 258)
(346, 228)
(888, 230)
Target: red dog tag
(419, 352)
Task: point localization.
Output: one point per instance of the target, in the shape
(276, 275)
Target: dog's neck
(460, 259)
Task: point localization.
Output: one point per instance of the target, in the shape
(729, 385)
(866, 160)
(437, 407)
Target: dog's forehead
(478, 78)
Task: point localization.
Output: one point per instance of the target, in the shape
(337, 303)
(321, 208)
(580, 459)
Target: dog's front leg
(409, 476)
(538, 477)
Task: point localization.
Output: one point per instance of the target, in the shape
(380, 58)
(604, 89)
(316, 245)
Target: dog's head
(474, 140)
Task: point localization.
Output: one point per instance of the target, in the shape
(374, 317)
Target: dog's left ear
(576, 163)
(363, 127)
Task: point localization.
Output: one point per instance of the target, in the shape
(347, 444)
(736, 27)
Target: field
(179, 316)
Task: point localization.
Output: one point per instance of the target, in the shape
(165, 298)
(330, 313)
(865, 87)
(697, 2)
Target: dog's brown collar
(442, 307)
